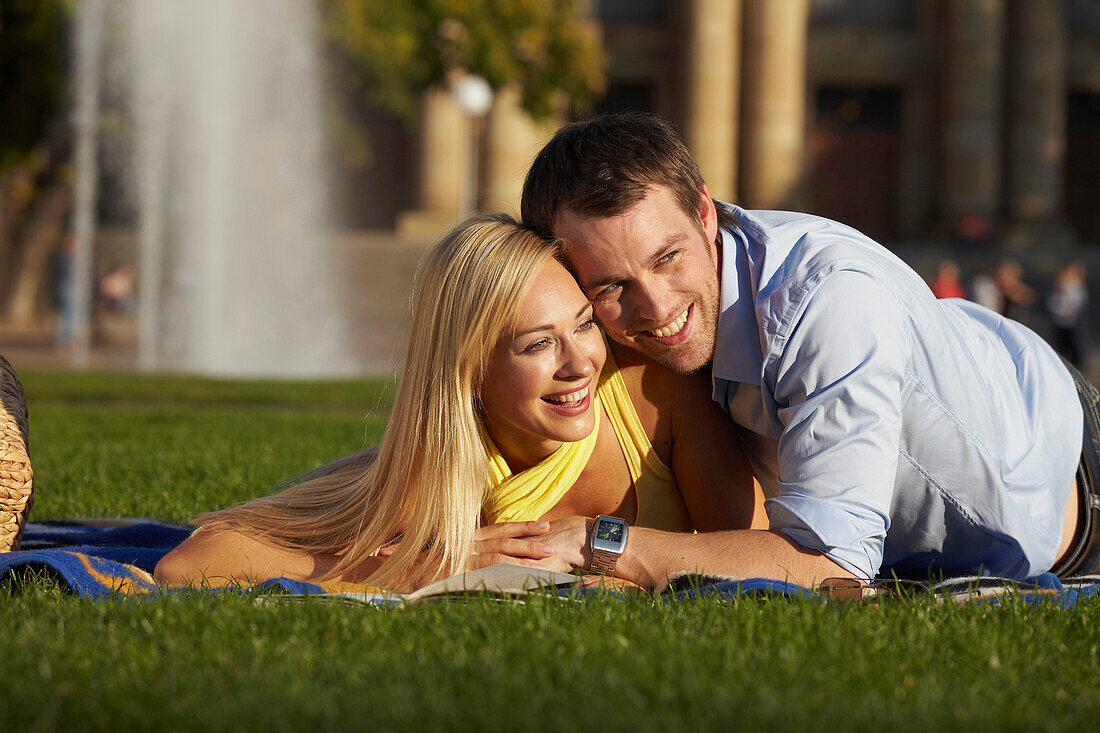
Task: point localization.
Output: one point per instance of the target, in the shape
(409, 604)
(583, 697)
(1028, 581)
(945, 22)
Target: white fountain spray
(88, 56)
(239, 275)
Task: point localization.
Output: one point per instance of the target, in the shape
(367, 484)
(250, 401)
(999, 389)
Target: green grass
(170, 447)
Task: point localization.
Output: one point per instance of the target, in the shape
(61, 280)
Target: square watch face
(609, 535)
(609, 531)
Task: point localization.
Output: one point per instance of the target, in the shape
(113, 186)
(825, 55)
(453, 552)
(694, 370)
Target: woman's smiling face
(541, 381)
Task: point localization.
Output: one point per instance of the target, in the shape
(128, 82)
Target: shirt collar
(738, 356)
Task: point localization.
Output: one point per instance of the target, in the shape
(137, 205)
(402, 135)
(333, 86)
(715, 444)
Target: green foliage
(399, 49)
(32, 72)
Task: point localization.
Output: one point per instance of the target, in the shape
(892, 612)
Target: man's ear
(708, 216)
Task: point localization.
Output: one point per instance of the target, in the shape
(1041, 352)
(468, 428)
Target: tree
(32, 73)
(34, 190)
(399, 49)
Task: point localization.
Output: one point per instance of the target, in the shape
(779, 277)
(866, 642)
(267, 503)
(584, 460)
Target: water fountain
(238, 273)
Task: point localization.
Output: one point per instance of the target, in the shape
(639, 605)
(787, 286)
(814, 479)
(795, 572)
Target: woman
(496, 422)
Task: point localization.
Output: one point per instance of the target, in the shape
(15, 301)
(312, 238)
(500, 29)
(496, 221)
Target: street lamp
(474, 97)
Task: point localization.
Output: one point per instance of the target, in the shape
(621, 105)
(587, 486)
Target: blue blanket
(104, 558)
(1043, 589)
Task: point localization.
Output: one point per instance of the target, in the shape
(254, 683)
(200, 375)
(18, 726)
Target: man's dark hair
(603, 166)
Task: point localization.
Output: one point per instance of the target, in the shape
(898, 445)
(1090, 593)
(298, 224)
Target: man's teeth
(673, 328)
(568, 399)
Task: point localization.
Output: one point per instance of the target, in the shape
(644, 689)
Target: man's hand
(652, 555)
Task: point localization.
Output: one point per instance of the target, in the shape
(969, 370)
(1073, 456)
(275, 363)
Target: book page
(501, 578)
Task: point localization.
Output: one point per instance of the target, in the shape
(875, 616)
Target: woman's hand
(568, 538)
(497, 543)
(505, 542)
(561, 545)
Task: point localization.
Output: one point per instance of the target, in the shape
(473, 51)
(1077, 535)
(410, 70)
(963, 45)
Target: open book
(503, 581)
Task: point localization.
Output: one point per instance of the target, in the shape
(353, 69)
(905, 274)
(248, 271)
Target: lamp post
(474, 97)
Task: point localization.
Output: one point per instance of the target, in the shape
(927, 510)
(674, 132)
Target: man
(893, 433)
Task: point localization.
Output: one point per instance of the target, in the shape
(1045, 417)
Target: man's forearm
(651, 556)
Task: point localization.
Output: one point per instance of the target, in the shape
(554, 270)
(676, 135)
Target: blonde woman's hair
(429, 478)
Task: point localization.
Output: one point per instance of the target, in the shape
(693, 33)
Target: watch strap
(603, 562)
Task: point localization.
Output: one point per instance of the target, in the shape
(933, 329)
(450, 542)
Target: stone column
(444, 167)
(973, 55)
(513, 139)
(917, 201)
(1036, 119)
(774, 102)
(713, 83)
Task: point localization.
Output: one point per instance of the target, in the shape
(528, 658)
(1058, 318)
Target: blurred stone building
(909, 119)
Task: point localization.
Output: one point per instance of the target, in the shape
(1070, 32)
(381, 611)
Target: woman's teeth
(673, 328)
(568, 399)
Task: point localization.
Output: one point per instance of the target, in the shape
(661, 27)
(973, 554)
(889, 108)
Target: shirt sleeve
(838, 390)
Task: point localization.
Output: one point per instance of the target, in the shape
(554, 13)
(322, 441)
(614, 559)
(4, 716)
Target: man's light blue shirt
(890, 430)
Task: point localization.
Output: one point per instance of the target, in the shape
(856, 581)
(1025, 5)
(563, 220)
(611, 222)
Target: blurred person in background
(946, 282)
(1066, 307)
(116, 290)
(984, 290)
(1016, 295)
(972, 231)
(63, 290)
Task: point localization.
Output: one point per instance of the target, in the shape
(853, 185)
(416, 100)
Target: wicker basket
(16, 477)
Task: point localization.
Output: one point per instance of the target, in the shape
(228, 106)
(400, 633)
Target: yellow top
(528, 495)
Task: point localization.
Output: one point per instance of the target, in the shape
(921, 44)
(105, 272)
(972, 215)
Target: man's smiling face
(652, 273)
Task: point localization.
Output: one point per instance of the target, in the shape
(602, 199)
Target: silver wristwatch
(607, 542)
